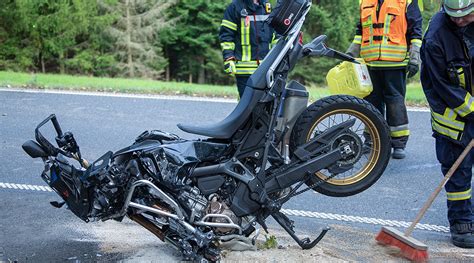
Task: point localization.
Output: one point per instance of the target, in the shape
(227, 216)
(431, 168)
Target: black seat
(227, 127)
(254, 91)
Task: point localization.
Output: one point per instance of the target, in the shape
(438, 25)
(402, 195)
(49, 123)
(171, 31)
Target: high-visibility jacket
(386, 30)
(446, 76)
(244, 35)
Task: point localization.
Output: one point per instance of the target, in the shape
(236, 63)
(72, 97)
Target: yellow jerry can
(350, 79)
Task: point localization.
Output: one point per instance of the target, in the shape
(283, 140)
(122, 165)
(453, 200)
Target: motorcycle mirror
(317, 47)
(33, 149)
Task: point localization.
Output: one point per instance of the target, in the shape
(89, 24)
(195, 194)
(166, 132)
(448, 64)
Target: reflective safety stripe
(384, 52)
(245, 39)
(458, 196)
(258, 18)
(246, 67)
(273, 42)
(399, 131)
(445, 131)
(386, 29)
(357, 39)
(448, 120)
(228, 45)
(447, 124)
(467, 107)
(416, 42)
(245, 71)
(247, 64)
(229, 24)
(382, 64)
(462, 78)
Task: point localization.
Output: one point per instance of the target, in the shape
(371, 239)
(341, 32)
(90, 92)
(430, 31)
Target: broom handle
(438, 189)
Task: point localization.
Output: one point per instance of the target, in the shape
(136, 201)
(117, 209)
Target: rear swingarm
(323, 141)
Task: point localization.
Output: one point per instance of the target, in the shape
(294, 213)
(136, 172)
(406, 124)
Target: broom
(410, 247)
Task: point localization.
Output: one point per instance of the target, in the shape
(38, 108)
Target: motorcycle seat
(227, 127)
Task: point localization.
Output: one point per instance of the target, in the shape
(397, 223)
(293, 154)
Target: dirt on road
(341, 244)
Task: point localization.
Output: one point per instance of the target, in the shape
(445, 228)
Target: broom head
(410, 248)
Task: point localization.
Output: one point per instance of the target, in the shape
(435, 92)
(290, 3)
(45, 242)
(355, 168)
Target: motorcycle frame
(253, 187)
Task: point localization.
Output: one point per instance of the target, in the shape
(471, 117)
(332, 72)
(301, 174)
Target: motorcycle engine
(219, 207)
(198, 207)
(194, 203)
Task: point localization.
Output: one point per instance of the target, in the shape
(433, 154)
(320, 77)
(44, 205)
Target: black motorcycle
(201, 193)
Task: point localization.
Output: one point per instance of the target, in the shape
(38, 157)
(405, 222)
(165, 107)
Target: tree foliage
(171, 39)
(135, 34)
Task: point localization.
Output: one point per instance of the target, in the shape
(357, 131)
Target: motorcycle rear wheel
(369, 162)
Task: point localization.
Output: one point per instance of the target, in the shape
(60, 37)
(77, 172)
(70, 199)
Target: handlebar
(50, 149)
(56, 125)
(66, 142)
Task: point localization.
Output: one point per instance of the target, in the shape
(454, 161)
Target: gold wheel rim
(372, 158)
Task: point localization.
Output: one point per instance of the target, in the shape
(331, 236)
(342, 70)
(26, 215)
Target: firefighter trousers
(241, 83)
(388, 96)
(458, 187)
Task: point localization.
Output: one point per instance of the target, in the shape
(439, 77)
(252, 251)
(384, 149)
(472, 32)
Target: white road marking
(121, 95)
(366, 220)
(149, 96)
(290, 212)
(27, 187)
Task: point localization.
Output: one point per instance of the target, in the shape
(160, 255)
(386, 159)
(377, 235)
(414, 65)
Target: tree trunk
(190, 76)
(202, 71)
(43, 68)
(167, 69)
(131, 71)
(62, 69)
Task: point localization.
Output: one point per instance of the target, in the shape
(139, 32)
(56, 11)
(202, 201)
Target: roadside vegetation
(160, 40)
(415, 96)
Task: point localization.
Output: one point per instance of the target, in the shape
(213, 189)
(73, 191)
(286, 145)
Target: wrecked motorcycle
(196, 194)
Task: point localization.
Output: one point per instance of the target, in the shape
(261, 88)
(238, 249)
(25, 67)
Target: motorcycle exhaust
(144, 222)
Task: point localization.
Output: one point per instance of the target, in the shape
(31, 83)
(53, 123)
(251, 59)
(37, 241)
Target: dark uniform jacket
(446, 76)
(244, 35)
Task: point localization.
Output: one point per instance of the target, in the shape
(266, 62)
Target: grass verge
(415, 96)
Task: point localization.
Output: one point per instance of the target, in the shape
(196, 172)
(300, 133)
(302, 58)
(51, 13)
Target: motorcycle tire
(375, 134)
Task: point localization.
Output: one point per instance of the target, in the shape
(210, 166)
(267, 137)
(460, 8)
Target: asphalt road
(32, 230)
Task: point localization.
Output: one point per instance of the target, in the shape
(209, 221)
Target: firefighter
(245, 38)
(446, 76)
(388, 38)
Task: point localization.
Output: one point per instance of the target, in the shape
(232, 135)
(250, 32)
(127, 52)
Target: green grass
(414, 96)
(120, 85)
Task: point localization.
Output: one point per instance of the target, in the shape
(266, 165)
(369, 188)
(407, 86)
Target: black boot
(462, 235)
(398, 153)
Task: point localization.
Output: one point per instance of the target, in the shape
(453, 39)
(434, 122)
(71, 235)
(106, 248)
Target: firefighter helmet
(458, 8)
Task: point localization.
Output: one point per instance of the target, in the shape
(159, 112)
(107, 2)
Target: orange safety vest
(384, 37)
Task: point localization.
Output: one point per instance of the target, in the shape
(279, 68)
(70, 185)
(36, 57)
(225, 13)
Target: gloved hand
(353, 50)
(229, 66)
(414, 61)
